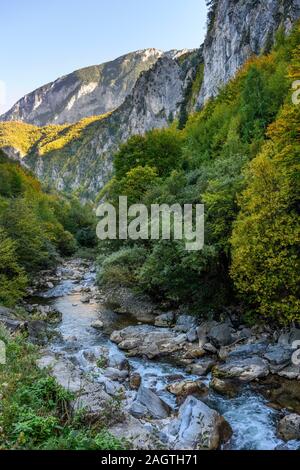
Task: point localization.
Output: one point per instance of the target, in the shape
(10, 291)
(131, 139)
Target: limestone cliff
(237, 30)
(86, 92)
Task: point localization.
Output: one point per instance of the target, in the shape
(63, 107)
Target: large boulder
(148, 404)
(124, 301)
(278, 357)
(221, 335)
(245, 370)
(227, 387)
(198, 427)
(244, 351)
(281, 392)
(115, 374)
(149, 341)
(287, 338)
(187, 387)
(165, 319)
(201, 367)
(289, 427)
(203, 331)
(140, 437)
(185, 322)
(64, 371)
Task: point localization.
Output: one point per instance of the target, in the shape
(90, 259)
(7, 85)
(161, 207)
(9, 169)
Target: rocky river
(164, 380)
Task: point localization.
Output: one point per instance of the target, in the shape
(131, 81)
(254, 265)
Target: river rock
(117, 360)
(148, 404)
(278, 357)
(149, 341)
(85, 299)
(64, 371)
(47, 313)
(289, 427)
(245, 370)
(203, 330)
(185, 322)
(198, 427)
(135, 432)
(193, 352)
(210, 348)
(280, 391)
(135, 381)
(221, 335)
(290, 372)
(228, 387)
(97, 325)
(115, 374)
(123, 301)
(187, 387)
(287, 338)
(258, 348)
(165, 319)
(112, 387)
(201, 367)
(97, 404)
(192, 335)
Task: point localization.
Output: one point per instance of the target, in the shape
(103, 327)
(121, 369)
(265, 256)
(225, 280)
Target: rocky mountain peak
(94, 90)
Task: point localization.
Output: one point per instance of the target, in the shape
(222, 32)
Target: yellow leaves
(18, 135)
(265, 240)
(25, 137)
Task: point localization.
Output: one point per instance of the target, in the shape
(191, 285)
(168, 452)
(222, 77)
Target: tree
(265, 240)
(160, 148)
(13, 279)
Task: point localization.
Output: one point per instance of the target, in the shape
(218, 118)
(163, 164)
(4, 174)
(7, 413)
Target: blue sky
(44, 39)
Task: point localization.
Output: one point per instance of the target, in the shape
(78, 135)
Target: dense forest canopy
(239, 156)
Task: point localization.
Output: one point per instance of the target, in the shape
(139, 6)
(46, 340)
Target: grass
(36, 412)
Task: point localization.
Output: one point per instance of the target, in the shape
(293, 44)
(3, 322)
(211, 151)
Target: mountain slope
(237, 30)
(86, 92)
(78, 157)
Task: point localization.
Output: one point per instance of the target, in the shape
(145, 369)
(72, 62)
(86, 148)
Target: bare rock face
(198, 427)
(86, 92)
(155, 100)
(239, 30)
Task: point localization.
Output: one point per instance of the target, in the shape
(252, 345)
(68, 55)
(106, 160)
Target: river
(252, 421)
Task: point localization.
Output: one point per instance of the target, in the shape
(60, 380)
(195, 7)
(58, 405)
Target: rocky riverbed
(163, 379)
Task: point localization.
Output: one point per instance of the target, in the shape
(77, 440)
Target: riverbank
(167, 379)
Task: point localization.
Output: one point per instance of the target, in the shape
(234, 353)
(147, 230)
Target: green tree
(13, 279)
(265, 240)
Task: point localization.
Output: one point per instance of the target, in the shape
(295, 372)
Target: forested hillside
(36, 229)
(240, 157)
